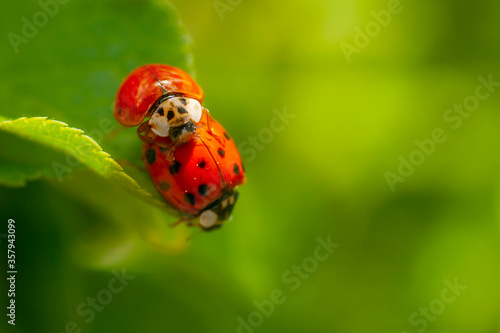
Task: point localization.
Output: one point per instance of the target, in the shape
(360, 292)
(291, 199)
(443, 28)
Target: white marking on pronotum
(159, 122)
(208, 219)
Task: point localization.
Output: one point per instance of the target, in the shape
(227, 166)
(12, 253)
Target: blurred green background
(322, 175)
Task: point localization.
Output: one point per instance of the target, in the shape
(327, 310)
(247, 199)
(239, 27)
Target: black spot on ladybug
(119, 111)
(202, 164)
(221, 152)
(164, 186)
(183, 101)
(236, 169)
(151, 156)
(181, 110)
(170, 115)
(227, 136)
(203, 189)
(190, 199)
(174, 168)
(160, 111)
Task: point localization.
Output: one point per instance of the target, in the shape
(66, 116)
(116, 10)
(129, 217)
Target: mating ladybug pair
(190, 157)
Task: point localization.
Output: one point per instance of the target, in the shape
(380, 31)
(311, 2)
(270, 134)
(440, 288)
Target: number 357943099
(11, 239)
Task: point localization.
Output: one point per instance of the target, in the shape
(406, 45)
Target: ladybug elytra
(189, 156)
(167, 95)
(201, 180)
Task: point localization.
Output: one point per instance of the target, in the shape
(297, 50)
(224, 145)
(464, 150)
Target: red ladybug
(166, 94)
(200, 182)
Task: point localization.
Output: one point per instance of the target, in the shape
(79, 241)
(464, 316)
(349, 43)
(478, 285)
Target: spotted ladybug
(168, 96)
(201, 179)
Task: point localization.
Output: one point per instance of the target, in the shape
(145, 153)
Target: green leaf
(70, 70)
(72, 142)
(16, 175)
(58, 135)
(77, 61)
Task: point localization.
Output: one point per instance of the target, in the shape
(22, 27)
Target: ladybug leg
(161, 144)
(171, 150)
(186, 219)
(209, 127)
(176, 223)
(170, 154)
(143, 132)
(215, 135)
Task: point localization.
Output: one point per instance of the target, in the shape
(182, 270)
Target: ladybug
(168, 96)
(200, 181)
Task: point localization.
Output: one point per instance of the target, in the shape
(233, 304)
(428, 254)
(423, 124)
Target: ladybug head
(175, 116)
(183, 132)
(214, 215)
